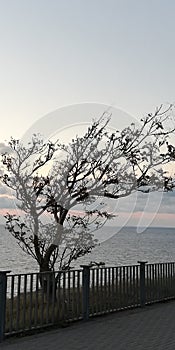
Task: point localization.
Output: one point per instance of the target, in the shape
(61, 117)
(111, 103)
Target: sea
(126, 246)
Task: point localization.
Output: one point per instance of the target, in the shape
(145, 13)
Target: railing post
(3, 291)
(86, 285)
(142, 283)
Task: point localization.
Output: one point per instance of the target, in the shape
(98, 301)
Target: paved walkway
(151, 328)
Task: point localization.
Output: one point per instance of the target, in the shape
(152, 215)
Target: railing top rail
(66, 271)
(102, 267)
(112, 267)
(161, 263)
(43, 273)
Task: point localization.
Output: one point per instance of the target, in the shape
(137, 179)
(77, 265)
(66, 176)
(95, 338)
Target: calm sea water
(124, 248)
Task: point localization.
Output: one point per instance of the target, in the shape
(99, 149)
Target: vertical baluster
(124, 287)
(158, 283)
(166, 269)
(116, 288)
(74, 313)
(130, 284)
(24, 300)
(67, 294)
(120, 287)
(134, 283)
(153, 282)
(36, 299)
(59, 298)
(97, 288)
(145, 283)
(128, 299)
(42, 297)
(79, 298)
(171, 278)
(164, 279)
(101, 286)
(93, 293)
(31, 301)
(133, 291)
(157, 278)
(162, 282)
(64, 296)
(47, 296)
(12, 304)
(166, 272)
(18, 301)
(105, 289)
(109, 289)
(160, 279)
(76, 293)
(112, 288)
(150, 282)
(138, 283)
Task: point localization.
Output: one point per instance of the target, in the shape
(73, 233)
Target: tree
(52, 182)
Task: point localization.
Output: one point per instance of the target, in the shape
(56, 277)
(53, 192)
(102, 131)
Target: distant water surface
(124, 248)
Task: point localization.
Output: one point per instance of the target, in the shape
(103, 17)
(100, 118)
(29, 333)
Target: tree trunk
(48, 279)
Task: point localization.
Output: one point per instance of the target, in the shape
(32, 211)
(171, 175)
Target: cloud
(138, 208)
(7, 201)
(3, 189)
(147, 202)
(138, 202)
(158, 219)
(4, 148)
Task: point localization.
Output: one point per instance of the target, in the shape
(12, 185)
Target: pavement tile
(151, 328)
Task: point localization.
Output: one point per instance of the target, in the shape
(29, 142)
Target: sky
(58, 53)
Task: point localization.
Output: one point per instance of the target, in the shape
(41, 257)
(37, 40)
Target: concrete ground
(151, 328)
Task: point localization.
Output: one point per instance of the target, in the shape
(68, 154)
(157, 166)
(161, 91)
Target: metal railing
(159, 282)
(113, 288)
(37, 300)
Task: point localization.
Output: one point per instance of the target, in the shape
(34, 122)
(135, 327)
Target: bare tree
(61, 189)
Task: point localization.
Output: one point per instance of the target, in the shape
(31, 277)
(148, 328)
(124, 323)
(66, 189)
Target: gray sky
(55, 53)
